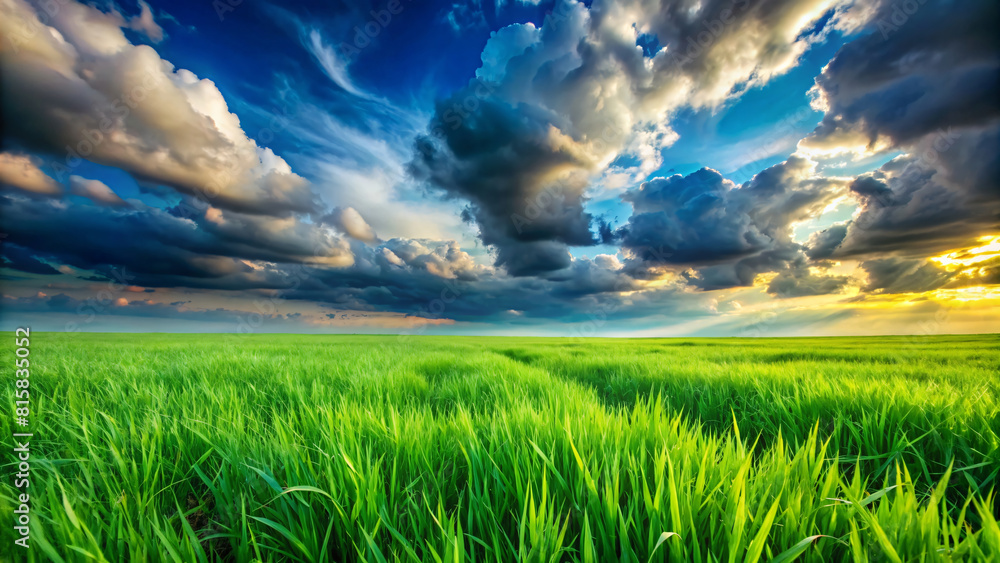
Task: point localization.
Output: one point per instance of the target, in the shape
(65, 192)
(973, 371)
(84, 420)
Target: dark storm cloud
(240, 253)
(913, 74)
(498, 159)
(743, 272)
(379, 283)
(822, 244)
(587, 277)
(19, 258)
(161, 248)
(553, 105)
(914, 208)
(728, 234)
(900, 275)
(799, 281)
(694, 218)
(927, 83)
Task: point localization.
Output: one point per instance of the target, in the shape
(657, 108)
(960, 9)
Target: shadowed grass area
(333, 448)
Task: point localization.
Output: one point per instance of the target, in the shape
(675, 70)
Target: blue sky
(550, 167)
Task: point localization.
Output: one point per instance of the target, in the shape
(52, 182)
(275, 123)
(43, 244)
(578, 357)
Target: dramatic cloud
(896, 275)
(24, 260)
(910, 75)
(822, 244)
(165, 248)
(912, 209)
(799, 281)
(728, 234)
(504, 165)
(537, 188)
(927, 83)
(554, 105)
(80, 89)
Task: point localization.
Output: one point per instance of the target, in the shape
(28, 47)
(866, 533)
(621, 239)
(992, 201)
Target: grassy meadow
(350, 448)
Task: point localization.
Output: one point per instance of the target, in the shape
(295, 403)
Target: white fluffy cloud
(583, 65)
(82, 90)
(443, 259)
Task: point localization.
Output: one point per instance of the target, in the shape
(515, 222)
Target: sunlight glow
(973, 293)
(961, 259)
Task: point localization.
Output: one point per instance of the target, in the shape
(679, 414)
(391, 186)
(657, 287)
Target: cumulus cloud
(76, 81)
(904, 78)
(798, 280)
(443, 259)
(508, 173)
(554, 105)
(910, 207)
(726, 233)
(348, 221)
(926, 84)
(899, 275)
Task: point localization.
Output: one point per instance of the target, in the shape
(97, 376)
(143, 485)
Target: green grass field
(348, 448)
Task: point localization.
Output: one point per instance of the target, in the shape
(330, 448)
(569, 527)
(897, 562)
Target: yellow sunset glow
(960, 259)
(973, 293)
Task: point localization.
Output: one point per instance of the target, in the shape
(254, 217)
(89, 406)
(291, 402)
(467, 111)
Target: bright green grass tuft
(334, 448)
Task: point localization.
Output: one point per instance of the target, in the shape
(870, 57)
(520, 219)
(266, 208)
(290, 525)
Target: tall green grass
(313, 448)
